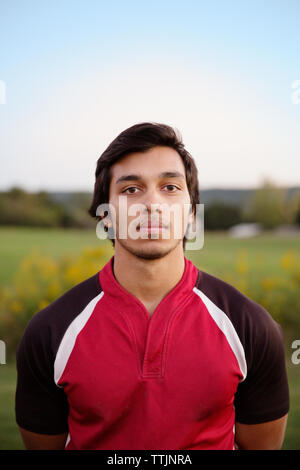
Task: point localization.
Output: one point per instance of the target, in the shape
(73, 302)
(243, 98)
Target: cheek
(121, 207)
(128, 215)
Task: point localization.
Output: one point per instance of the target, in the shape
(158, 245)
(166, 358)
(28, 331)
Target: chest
(170, 360)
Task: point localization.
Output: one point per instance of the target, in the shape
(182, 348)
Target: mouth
(152, 226)
(150, 229)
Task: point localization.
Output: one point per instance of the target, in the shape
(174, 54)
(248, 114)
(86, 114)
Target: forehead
(149, 163)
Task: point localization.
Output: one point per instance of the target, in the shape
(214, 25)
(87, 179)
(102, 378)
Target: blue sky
(78, 73)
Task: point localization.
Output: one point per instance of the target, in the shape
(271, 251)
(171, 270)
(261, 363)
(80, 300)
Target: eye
(129, 189)
(173, 188)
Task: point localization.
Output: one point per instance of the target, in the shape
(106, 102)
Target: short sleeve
(40, 405)
(264, 394)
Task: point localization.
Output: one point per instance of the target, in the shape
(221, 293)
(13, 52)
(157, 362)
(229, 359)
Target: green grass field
(216, 257)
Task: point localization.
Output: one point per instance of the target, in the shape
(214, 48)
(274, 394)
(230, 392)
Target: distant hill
(234, 196)
(228, 196)
(72, 199)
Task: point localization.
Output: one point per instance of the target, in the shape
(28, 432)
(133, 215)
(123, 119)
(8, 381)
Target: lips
(151, 225)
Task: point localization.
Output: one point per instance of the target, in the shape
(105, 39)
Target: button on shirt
(95, 364)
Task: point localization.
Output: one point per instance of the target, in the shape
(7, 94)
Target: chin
(150, 250)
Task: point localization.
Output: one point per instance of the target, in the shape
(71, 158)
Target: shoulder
(47, 327)
(254, 325)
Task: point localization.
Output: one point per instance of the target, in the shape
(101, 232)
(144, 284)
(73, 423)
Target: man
(151, 352)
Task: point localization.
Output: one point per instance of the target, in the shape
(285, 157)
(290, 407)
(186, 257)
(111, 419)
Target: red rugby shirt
(95, 364)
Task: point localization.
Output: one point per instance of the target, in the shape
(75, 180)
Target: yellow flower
(53, 290)
(269, 283)
(287, 259)
(15, 306)
(241, 263)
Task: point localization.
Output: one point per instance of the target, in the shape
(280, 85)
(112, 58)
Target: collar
(180, 291)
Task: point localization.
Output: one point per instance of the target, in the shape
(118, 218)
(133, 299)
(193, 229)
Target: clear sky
(74, 74)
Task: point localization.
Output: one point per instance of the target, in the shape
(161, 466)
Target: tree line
(19, 207)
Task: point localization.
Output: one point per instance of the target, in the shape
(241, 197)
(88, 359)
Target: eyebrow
(164, 174)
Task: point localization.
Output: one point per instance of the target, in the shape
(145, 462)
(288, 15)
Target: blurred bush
(221, 216)
(271, 206)
(40, 280)
(278, 294)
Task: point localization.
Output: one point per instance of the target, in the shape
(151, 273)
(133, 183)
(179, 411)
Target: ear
(105, 220)
(109, 229)
(108, 223)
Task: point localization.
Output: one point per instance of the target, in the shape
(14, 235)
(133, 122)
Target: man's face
(151, 183)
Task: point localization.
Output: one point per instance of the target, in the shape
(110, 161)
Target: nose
(152, 201)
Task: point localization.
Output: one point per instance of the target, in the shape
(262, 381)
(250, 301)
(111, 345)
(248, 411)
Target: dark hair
(140, 138)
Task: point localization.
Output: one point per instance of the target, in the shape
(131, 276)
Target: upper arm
(262, 399)
(35, 441)
(263, 396)
(262, 436)
(41, 407)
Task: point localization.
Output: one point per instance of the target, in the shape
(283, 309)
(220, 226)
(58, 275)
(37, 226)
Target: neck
(148, 280)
